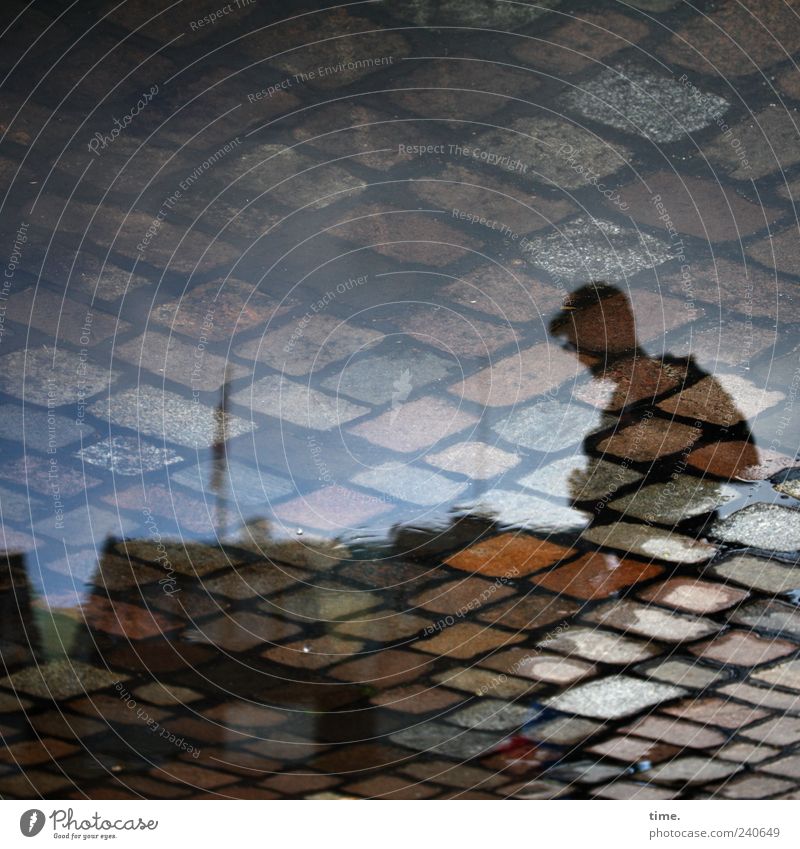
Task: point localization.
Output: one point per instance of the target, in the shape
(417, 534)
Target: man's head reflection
(596, 319)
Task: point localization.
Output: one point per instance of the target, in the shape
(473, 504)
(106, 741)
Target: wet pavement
(400, 401)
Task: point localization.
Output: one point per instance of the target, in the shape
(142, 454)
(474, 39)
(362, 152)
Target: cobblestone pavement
(400, 400)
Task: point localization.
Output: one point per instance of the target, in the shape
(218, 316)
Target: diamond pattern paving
(409, 430)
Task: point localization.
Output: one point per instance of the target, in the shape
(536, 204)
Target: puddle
(412, 417)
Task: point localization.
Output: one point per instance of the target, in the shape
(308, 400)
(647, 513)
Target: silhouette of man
(668, 413)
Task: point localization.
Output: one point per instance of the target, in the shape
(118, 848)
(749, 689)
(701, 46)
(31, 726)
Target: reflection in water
(263, 666)
(668, 403)
(316, 481)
